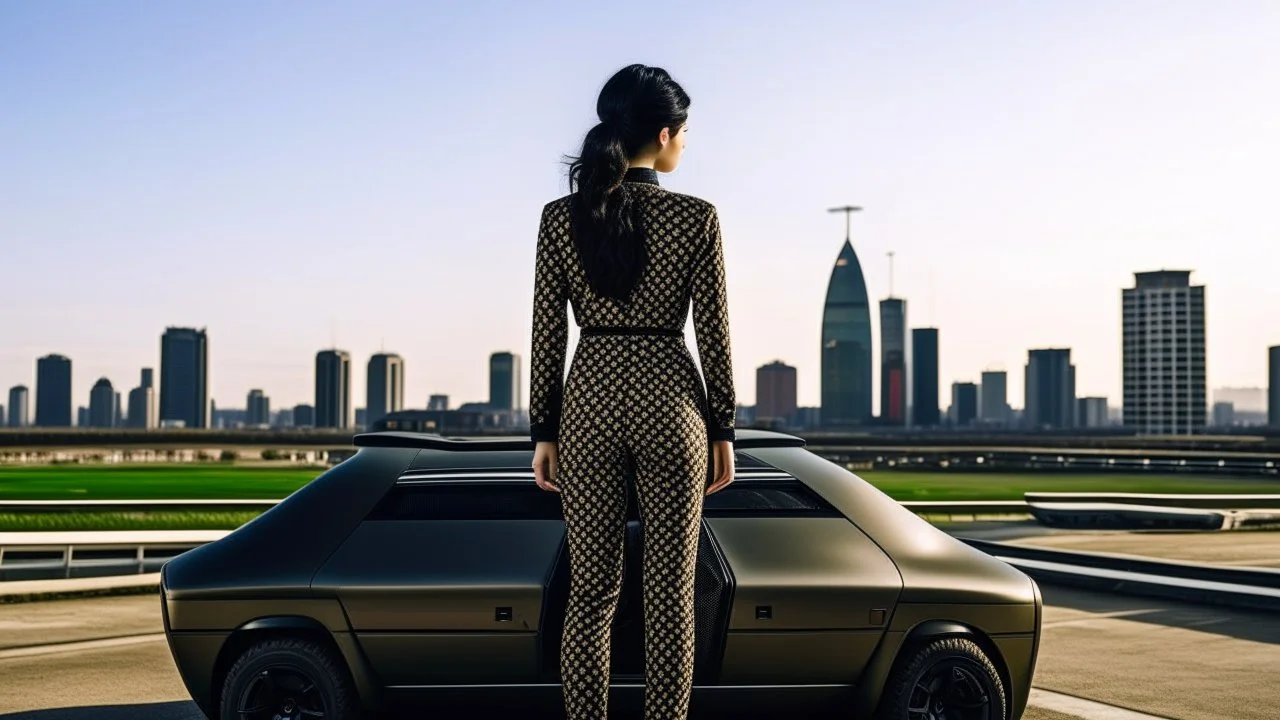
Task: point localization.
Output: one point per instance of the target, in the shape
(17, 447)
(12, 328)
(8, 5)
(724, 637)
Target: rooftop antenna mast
(890, 254)
(848, 211)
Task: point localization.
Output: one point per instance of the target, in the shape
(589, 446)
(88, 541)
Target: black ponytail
(633, 107)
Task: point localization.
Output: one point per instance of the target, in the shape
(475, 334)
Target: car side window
(475, 500)
(774, 497)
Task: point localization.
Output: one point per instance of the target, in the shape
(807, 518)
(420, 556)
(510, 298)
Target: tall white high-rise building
(1164, 354)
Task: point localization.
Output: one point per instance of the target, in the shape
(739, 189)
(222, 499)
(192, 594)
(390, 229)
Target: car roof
(747, 438)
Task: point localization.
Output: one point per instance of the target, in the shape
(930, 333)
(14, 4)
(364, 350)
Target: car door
(811, 592)
(443, 581)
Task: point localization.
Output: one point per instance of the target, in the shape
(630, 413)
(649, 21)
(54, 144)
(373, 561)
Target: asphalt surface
(104, 659)
(1235, 548)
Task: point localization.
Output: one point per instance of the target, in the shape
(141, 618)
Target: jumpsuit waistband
(592, 330)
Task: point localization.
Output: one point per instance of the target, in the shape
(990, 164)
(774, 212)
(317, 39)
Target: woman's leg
(671, 477)
(594, 498)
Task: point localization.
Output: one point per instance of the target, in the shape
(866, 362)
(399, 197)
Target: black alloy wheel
(946, 679)
(289, 679)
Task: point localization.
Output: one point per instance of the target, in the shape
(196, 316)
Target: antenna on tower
(890, 254)
(848, 211)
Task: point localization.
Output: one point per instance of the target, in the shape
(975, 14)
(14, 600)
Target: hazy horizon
(296, 176)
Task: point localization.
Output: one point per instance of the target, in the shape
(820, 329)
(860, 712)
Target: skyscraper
(1050, 388)
(143, 413)
(775, 392)
(994, 403)
(184, 377)
(384, 387)
(504, 381)
(53, 391)
(1164, 353)
(102, 404)
(333, 389)
(893, 361)
(964, 403)
(304, 416)
(846, 345)
(257, 408)
(1273, 387)
(925, 410)
(19, 406)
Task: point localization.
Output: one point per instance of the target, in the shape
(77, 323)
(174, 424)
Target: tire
(919, 686)
(291, 664)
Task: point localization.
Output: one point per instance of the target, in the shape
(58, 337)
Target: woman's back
(684, 267)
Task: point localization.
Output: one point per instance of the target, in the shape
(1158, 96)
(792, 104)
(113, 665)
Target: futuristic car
(427, 569)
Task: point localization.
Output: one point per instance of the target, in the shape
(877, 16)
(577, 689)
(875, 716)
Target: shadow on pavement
(180, 710)
(1242, 624)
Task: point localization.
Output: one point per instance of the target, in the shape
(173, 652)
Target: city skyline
(1020, 164)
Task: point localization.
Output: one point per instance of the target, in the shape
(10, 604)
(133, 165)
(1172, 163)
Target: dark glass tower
(924, 377)
(1050, 389)
(333, 389)
(53, 391)
(102, 404)
(184, 377)
(893, 361)
(1273, 386)
(384, 387)
(504, 381)
(846, 345)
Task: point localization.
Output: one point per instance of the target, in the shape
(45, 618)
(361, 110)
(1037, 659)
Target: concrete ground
(1237, 548)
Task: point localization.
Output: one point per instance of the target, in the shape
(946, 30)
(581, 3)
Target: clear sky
(294, 174)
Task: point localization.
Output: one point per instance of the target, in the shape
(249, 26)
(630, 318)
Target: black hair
(633, 107)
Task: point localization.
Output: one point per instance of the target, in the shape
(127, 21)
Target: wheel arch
(890, 659)
(294, 626)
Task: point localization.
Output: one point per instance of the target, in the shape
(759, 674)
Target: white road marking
(79, 645)
(1084, 709)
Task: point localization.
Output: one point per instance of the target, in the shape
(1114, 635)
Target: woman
(631, 256)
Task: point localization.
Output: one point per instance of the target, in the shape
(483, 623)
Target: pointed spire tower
(846, 340)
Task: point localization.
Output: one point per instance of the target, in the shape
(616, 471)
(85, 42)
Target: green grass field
(151, 482)
(222, 482)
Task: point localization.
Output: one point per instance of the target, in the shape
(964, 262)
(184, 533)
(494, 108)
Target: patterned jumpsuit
(633, 399)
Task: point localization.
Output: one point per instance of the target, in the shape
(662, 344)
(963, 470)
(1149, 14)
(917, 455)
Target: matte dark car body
(436, 569)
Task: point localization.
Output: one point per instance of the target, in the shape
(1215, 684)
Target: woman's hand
(722, 465)
(546, 463)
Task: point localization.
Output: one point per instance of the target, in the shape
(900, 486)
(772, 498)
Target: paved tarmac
(105, 659)
(1239, 548)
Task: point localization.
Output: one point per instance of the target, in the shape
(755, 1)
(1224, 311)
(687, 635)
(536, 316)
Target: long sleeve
(550, 333)
(711, 325)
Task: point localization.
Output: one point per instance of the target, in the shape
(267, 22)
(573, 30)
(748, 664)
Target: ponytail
(612, 252)
(634, 105)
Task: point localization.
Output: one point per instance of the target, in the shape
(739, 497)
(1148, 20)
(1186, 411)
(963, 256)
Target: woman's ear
(664, 137)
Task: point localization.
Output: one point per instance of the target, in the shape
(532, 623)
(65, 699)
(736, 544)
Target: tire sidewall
(969, 656)
(244, 672)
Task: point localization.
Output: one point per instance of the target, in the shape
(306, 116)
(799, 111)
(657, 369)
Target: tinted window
(468, 501)
(767, 498)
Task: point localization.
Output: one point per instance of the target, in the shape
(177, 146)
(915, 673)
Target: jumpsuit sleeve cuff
(539, 432)
(722, 434)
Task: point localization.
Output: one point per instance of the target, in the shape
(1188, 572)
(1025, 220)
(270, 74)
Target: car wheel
(289, 679)
(949, 678)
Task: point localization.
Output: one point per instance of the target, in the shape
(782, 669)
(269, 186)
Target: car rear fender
(897, 648)
(262, 628)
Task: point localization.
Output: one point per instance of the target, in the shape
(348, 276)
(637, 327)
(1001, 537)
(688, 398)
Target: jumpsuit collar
(641, 175)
